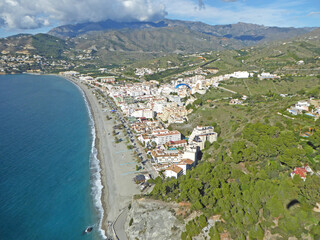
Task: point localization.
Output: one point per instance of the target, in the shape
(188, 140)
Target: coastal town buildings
(202, 134)
(161, 137)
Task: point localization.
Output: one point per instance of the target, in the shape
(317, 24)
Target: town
(147, 108)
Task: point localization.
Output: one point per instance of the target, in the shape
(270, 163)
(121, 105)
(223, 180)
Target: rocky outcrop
(150, 219)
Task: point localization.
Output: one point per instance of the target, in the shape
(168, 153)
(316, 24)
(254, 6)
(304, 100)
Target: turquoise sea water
(45, 150)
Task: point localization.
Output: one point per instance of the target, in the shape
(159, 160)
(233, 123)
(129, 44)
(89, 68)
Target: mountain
(40, 44)
(166, 36)
(82, 28)
(119, 42)
(243, 32)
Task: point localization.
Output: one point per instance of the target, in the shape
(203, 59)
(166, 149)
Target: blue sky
(33, 16)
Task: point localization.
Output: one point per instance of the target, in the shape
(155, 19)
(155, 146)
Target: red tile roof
(185, 161)
(301, 172)
(174, 168)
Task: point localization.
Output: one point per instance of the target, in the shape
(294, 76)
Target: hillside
(39, 44)
(176, 39)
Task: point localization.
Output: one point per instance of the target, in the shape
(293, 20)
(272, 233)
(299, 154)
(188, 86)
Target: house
(302, 106)
(292, 111)
(235, 101)
(186, 164)
(266, 75)
(302, 172)
(299, 107)
(173, 171)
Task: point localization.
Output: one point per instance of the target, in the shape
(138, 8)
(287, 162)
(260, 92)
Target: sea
(50, 185)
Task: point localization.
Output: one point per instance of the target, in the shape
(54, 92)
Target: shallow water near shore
(45, 150)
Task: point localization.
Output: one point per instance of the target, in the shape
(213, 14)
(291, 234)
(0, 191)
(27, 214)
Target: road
(118, 226)
(136, 145)
(228, 90)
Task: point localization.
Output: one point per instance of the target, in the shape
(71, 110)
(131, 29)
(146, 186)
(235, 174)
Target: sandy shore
(116, 161)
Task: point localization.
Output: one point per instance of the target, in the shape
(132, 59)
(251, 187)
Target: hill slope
(39, 44)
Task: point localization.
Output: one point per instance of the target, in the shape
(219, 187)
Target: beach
(117, 164)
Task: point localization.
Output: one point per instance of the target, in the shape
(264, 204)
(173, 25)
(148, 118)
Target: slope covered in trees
(250, 186)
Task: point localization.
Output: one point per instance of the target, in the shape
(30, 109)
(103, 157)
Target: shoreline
(115, 172)
(95, 146)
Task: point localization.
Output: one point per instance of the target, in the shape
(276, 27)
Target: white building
(163, 136)
(266, 75)
(164, 156)
(191, 152)
(173, 171)
(302, 106)
(186, 164)
(243, 74)
(201, 134)
(140, 113)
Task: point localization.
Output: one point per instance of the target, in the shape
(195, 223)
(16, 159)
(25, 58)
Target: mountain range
(167, 36)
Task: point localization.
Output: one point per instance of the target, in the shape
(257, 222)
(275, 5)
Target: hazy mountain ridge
(238, 31)
(75, 30)
(108, 39)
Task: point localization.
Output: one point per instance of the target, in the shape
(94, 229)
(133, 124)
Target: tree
(202, 221)
(207, 145)
(256, 232)
(214, 233)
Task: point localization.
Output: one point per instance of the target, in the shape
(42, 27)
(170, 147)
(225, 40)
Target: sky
(34, 16)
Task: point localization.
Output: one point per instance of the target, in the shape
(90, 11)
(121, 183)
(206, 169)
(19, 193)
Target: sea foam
(96, 182)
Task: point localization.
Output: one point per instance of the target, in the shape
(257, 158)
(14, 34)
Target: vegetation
(49, 46)
(194, 227)
(250, 185)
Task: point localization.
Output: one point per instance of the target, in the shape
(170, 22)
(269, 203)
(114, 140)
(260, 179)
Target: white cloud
(29, 14)
(313, 13)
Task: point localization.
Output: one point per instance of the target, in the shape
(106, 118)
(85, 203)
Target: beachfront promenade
(117, 165)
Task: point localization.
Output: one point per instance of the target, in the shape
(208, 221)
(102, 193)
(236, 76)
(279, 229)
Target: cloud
(229, 0)
(313, 13)
(31, 14)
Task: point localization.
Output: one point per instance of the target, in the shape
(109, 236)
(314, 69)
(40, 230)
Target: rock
(150, 219)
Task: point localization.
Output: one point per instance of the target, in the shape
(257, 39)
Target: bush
(131, 221)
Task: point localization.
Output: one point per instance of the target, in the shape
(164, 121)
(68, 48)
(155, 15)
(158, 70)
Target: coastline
(116, 168)
(95, 156)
